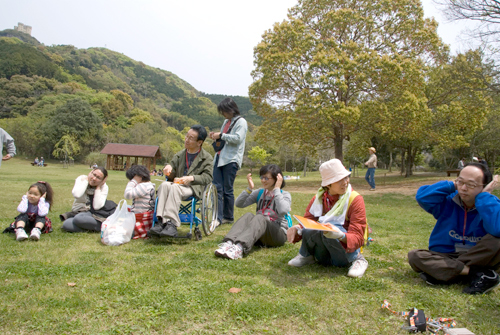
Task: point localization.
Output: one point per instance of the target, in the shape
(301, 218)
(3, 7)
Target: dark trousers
(446, 266)
(251, 228)
(29, 224)
(223, 180)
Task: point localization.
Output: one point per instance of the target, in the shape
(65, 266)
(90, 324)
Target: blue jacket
(457, 228)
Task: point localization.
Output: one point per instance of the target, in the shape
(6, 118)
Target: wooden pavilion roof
(133, 150)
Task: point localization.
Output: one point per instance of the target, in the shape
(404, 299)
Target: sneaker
(35, 234)
(358, 268)
(483, 281)
(170, 230)
(430, 280)
(223, 248)
(21, 234)
(300, 260)
(234, 252)
(227, 221)
(158, 227)
(372, 189)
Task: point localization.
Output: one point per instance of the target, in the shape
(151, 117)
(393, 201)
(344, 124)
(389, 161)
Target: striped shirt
(142, 194)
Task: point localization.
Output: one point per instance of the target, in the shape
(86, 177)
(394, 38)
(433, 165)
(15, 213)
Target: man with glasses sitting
(464, 246)
(187, 175)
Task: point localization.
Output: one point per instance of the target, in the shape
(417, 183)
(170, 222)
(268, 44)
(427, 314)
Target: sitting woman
(268, 227)
(341, 209)
(90, 193)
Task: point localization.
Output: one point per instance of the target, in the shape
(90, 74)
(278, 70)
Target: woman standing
(228, 160)
(371, 164)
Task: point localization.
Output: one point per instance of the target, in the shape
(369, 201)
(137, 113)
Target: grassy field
(158, 287)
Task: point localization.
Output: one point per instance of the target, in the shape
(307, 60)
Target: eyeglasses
(96, 176)
(264, 178)
(470, 186)
(191, 138)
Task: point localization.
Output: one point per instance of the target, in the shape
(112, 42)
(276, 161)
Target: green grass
(157, 287)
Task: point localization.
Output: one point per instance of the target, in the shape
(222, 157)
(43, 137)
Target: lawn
(180, 287)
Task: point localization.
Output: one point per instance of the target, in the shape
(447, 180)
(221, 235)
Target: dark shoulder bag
(218, 144)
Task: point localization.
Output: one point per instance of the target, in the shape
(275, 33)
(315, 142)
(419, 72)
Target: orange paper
(310, 224)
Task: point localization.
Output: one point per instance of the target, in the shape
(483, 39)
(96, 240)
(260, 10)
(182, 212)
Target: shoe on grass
(158, 227)
(483, 281)
(234, 252)
(21, 234)
(170, 230)
(430, 280)
(35, 234)
(300, 260)
(358, 268)
(223, 248)
(227, 221)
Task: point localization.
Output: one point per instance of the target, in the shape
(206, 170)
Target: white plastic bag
(118, 228)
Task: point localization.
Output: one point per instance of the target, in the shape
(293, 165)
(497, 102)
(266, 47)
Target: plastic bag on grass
(118, 228)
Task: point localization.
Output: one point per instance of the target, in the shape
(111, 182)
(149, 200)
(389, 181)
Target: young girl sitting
(142, 192)
(33, 209)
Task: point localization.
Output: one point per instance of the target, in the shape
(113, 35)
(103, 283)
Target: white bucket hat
(332, 171)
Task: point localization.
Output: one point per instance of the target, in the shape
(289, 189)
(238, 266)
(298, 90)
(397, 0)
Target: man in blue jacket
(464, 245)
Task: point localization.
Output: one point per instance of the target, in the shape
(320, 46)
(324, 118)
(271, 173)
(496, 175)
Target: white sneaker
(358, 268)
(223, 248)
(35, 234)
(234, 252)
(300, 260)
(21, 234)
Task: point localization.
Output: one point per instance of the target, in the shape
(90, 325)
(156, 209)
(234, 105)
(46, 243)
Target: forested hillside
(51, 96)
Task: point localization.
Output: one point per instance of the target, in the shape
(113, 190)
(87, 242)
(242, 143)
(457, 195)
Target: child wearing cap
(337, 206)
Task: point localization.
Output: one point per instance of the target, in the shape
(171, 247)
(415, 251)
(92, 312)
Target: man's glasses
(470, 186)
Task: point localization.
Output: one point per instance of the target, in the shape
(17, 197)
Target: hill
(136, 103)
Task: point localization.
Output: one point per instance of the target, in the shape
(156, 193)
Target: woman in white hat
(337, 206)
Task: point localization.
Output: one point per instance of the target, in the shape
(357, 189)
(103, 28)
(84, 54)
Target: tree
(66, 148)
(258, 156)
(75, 118)
(315, 69)
(485, 12)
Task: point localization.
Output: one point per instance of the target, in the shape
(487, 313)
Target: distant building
(22, 28)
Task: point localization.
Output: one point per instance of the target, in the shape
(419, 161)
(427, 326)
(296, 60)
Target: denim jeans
(223, 180)
(325, 250)
(370, 177)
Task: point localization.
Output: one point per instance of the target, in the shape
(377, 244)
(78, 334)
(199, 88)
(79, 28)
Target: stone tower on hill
(22, 28)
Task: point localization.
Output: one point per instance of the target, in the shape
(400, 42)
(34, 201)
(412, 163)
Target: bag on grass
(118, 228)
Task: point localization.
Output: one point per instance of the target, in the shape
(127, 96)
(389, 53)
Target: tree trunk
(338, 141)
(402, 170)
(305, 165)
(390, 160)
(408, 162)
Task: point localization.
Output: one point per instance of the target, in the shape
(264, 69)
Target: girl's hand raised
(279, 181)
(250, 181)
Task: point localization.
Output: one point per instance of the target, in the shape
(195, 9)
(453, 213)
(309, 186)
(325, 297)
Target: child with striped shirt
(142, 192)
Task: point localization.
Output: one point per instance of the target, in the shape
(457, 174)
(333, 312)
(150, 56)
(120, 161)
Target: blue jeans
(223, 180)
(325, 250)
(370, 177)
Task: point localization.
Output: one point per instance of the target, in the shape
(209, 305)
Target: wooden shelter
(122, 156)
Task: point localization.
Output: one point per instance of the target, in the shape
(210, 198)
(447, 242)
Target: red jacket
(355, 219)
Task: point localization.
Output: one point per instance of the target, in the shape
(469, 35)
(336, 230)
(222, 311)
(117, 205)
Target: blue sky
(207, 43)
